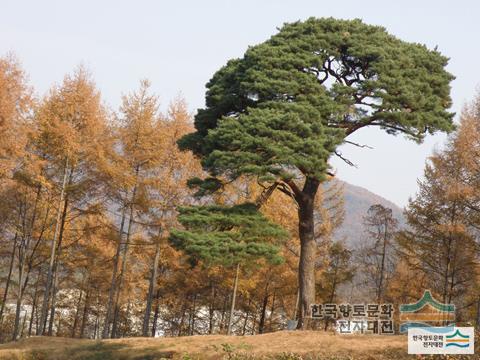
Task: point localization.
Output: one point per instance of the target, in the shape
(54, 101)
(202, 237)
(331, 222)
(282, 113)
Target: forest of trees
(111, 227)
(88, 199)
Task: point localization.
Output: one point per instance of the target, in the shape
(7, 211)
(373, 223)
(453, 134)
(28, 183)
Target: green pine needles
(228, 236)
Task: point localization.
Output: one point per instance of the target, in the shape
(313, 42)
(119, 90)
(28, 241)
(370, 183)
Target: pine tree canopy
(288, 103)
(227, 235)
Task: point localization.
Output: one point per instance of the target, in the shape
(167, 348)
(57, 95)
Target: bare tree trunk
(232, 308)
(478, 312)
(85, 312)
(211, 310)
(244, 329)
(151, 287)
(382, 265)
(272, 310)
(116, 315)
(23, 249)
(155, 315)
(34, 304)
(56, 265)
(113, 283)
(261, 324)
(9, 277)
(77, 313)
(193, 313)
(19, 296)
(308, 250)
(52, 306)
(297, 304)
(48, 285)
(124, 265)
(23, 324)
(127, 316)
(182, 319)
(224, 310)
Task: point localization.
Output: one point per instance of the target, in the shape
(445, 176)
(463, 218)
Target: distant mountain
(357, 202)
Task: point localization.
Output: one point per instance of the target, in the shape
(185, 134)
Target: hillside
(357, 202)
(285, 345)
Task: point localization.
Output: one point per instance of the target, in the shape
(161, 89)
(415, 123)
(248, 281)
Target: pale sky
(178, 45)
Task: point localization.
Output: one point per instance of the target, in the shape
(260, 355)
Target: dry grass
(284, 345)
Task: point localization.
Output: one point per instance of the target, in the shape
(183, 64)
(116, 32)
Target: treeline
(89, 197)
(438, 249)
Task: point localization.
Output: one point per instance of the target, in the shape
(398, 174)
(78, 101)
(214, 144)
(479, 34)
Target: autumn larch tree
(280, 111)
(441, 240)
(71, 127)
(376, 254)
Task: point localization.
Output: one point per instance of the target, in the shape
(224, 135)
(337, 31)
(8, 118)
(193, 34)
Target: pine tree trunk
(48, 285)
(232, 308)
(151, 287)
(308, 250)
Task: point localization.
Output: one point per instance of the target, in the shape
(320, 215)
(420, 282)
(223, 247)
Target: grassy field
(286, 345)
(282, 345)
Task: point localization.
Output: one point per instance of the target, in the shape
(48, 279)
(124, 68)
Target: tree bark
(34, 304)
(382, 265)
(156, 312)
(19, 296)
(57, 265)
(261, 324)
(211, 310)
(48, 285)
(232, 308)
(151, 287)
(246, 317)
(85, 312)
(124, 261)
(77, 314)
(113, 283)
(9, 277)
(308, 249)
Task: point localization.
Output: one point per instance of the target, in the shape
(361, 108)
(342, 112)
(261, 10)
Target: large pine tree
(281, 110)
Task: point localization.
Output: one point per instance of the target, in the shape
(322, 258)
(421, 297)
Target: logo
(426, 312)
(458, 339)
(441, 340)
(356, 318)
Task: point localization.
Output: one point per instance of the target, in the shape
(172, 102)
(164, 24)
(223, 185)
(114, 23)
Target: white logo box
(441, 340)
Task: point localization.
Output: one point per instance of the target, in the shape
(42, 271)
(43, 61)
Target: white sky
(179, 44)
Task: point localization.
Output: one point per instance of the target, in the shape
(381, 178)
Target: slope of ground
(286, 345)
